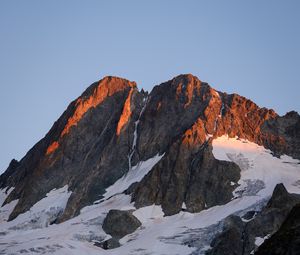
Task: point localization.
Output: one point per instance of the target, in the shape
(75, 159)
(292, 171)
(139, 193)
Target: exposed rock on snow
(230, 241)
(45, 212)
(120, 223)
(135, 175)
(111, 243)
(287, 239)
(200, 182)
(244, 237)
(190, 162)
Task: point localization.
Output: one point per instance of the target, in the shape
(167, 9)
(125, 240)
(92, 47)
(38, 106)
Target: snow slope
(135, 174)
(261, 171)
(182, 233)
(6, 210)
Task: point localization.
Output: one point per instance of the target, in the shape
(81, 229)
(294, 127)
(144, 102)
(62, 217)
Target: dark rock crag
(238, 236)
(119, 223)
(287, 239)
(87, 148)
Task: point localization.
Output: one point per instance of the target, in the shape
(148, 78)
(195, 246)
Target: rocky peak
(126, 113)
(287, 239)
(92, 97)
(106, 87)
(113, 126)
(281, 198)
(187, 87)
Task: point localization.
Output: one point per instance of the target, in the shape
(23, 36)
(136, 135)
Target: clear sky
(50, 51)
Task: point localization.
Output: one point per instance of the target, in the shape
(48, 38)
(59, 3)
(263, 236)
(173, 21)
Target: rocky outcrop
(111, 243)
(287, 239)
(193, 177)
(83, 159)
(271, 217)
(230, 241)
(97, 140)
(288, 128)
(238, 237)
(119, 223)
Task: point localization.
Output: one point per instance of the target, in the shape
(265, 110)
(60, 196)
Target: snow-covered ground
(6, 210)
(135, 174)
(183, 233)
(261, 171)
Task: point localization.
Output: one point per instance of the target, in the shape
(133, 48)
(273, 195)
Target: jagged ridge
(90, 145)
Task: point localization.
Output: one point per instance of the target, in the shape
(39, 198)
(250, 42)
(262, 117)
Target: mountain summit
(182, 149)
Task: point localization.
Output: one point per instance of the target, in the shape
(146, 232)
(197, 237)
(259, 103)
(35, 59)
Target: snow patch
(149, 213)
(7, 209)
(221, 110)
(260, 170)
(4, 193)
(259, 240)
(44, 212)
(207, 136)
(136, 174)
(135, 134)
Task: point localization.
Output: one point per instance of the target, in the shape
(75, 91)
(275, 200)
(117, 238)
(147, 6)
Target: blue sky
(50, 51)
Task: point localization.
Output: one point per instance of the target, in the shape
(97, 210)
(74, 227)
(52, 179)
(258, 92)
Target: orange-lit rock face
(190, 90)
(125, 114)
(158, 106)
(107, 87)
(53, 146)
(213, 111)
(195, 136)
(241, 117)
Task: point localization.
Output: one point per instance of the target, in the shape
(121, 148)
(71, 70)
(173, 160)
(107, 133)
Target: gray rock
(230, 241)
(197, 179)
(120, 223)
(286, 241)
(269, 220)
(238, 237)
(287, 129)
(111, 243)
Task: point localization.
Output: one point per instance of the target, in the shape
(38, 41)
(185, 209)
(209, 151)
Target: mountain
(184, 169)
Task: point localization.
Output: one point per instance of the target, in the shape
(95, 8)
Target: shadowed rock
(286, 241)
(120, 223)
(111, 243)
(182, 176)
(241, 235)
(229, 241)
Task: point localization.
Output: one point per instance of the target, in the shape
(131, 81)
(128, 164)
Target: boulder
(119, 223)
(229, 241)
(111, 243)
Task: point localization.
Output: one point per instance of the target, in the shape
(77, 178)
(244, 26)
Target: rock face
(230, 240)
(86, 134)
(287, 239)
(120, 223)
(183, 176)
(287, 127)
(238, 237)
(112, 126)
